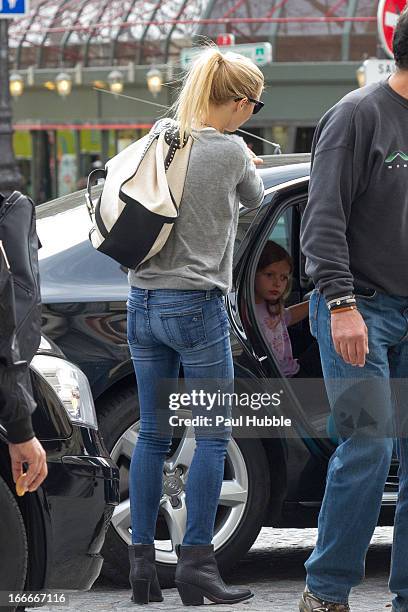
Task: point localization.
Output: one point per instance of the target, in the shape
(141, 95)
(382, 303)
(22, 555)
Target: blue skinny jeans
(166, 328)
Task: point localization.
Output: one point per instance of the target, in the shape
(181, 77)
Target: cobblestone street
(273, 569)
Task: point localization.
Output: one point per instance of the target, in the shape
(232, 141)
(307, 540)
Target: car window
(282, 230)
(244, 223)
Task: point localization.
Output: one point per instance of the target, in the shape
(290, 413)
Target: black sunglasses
(257, 104)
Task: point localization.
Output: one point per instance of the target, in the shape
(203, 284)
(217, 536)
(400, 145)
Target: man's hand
(350, 336)
(30, 452)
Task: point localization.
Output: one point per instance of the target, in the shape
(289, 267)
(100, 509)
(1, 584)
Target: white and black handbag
(140, 199)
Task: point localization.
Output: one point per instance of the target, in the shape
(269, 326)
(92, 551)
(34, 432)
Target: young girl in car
(273, 282)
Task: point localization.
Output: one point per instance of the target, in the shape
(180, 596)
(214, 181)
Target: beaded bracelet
(340, 297)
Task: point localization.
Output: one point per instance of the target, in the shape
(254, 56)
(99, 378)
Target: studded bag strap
(172, 137)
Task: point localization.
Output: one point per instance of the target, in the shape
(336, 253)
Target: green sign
(259, 53)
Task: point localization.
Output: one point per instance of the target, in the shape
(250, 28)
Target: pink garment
(278, 339)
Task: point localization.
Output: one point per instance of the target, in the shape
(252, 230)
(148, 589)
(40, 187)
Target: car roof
(277, 169)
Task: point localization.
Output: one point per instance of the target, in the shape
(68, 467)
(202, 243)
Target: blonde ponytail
(213, 78)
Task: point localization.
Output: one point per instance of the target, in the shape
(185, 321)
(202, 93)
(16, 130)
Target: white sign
(378, 69)
(13, 8)
(259, 53)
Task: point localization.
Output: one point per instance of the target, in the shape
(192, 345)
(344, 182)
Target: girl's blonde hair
(214, 78)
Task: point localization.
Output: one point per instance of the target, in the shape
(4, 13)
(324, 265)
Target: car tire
(13, 542)
(119, 412)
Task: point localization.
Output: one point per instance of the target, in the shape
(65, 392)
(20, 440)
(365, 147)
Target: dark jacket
(16, 403)
(20, 313)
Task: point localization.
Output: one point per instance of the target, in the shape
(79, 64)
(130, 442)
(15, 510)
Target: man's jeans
(167, 327)
(358, 469)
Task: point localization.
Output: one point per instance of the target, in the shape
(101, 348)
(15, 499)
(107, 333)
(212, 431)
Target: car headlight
(72, 387)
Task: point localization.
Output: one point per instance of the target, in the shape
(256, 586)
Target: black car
(52, 538)
(267, 481)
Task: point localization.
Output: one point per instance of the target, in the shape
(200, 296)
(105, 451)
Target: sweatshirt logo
(397, 159)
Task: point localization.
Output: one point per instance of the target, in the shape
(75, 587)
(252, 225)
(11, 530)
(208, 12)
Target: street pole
(10, 176)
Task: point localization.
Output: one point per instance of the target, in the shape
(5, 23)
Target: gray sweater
(198, 252)
(355, 227)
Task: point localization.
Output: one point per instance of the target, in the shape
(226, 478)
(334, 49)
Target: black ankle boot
(143, 575)
(197, 576)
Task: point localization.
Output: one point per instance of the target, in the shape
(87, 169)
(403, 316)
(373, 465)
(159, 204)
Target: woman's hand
(257, 160)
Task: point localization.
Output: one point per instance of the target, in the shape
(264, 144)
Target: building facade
(101, 47)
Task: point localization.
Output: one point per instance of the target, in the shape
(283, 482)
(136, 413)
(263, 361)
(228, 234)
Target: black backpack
(20, 245)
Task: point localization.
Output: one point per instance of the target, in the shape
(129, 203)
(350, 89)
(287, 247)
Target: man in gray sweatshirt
(354, 234)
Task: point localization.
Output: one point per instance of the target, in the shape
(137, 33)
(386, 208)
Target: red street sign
(225, 39)
(387, 17)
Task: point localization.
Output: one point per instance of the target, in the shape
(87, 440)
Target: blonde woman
(176, 315)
